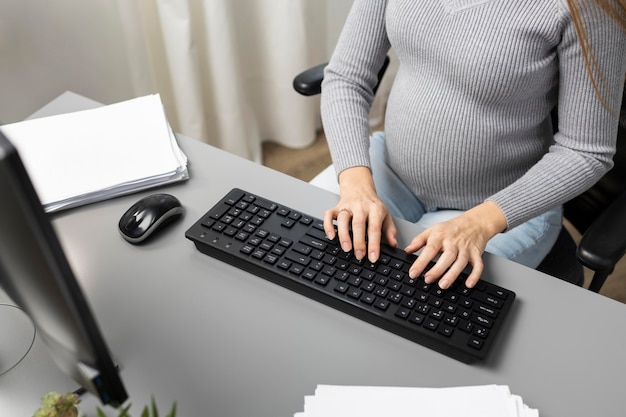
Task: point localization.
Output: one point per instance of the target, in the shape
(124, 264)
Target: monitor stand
(18, 335)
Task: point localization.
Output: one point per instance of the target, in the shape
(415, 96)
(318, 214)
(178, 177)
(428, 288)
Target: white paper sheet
(360, 401)
(86, 156)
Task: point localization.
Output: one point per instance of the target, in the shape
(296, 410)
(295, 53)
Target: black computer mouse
(149, 215)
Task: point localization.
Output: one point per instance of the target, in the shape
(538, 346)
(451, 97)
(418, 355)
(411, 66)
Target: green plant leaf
(173, 412)
(124, 411)
(155, 410)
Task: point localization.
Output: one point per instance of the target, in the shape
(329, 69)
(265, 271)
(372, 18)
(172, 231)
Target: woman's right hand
(362, 218)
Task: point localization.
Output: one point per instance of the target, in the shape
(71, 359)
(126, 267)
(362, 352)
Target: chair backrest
(584, 209)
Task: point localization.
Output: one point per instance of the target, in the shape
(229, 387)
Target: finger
(453, 272)
(374, 236)
(418, 242)
(446, 259)
(390, 232)
(426, 256)
(343, 230)
(374, 227)
(477, 271)
(359, 222)
(329, 226)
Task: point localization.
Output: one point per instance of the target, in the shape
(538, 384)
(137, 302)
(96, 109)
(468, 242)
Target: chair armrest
(309, 82)
(604, 243)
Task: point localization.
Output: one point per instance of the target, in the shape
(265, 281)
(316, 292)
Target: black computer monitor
(35, 273)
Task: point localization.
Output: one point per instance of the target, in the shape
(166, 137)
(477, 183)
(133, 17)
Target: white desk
(221, 342)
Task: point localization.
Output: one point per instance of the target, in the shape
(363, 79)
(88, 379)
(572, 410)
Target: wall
(50, 46)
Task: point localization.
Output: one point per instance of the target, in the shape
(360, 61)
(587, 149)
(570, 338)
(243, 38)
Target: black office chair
(599, 214)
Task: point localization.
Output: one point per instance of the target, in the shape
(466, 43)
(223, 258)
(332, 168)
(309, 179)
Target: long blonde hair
(616, 9)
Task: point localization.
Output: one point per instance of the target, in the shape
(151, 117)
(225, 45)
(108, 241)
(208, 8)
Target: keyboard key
(403, 312)
(481, 332)
(483, 321)
(309, 274)
(368, 299)
(314, 242)
(431, 324)
(297, 257)
(354, 293)
(475, 342)
(322, 279)
(381, 304)
(487, 299)
(487, 311)
(342, 288)
(417, 318)
(446, 331)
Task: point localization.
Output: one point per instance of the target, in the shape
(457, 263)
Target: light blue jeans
(526, 244)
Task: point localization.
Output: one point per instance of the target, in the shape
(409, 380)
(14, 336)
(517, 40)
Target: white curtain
(224, 68)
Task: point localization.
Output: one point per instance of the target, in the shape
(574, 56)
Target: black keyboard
(290, 248)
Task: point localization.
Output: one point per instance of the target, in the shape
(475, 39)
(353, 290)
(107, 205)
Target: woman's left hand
(458, 242)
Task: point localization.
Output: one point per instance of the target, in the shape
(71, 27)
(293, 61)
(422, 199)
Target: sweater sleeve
(585, 143)
(349, 80)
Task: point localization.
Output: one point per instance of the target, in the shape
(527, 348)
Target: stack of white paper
(355, 401)
(91, 155)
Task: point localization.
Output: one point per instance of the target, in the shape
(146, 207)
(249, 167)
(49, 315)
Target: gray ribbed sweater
(468, 117)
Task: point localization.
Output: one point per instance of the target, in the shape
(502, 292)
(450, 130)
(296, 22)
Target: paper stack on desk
(360, 401)
(91, 155)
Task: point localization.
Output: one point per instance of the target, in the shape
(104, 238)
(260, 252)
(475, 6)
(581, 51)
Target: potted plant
(54, 404)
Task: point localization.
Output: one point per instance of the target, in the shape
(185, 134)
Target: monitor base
(18, 336)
